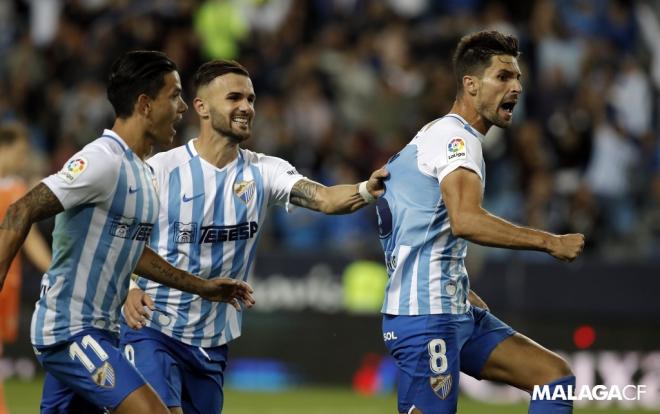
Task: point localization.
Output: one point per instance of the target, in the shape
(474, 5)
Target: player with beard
(214, 199)
(430, 209)
(105, 206)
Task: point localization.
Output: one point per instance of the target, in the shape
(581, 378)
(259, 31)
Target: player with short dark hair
(214, 199)
(430, 210)
(105, 205)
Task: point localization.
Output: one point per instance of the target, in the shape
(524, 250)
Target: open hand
(229, 290)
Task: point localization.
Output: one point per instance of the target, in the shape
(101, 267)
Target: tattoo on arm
(38, 204)
(155, 268)
(305, 194)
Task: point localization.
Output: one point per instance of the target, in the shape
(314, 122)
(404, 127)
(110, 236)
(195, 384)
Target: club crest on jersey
(456, 149)
(104, 376)
(245, 190)
(441, 385)
(72, 169)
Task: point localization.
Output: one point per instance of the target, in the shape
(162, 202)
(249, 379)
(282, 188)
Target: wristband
(364, 193)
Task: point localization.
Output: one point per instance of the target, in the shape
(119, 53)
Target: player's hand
(376, 183)
(566, 247)
(235, 292)
(137, 308)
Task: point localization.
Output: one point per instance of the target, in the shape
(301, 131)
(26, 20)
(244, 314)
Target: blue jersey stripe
(240, 208)
(41, 312)
(218, 250)
(446, 266)
(260, 205)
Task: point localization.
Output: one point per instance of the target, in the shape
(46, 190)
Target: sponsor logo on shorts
(104, 376)
(441, 385)
(389, 336)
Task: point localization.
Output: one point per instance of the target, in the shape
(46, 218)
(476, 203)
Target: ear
(470, 85)
(143, 105)
(201, 107)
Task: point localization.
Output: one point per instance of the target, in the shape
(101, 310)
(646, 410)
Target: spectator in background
(14, 149)
(369, 68)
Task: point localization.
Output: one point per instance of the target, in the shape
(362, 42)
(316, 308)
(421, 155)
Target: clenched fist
(566, 247)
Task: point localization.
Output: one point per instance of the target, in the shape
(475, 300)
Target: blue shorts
(183, 375)
(432, 350)
(86, 373)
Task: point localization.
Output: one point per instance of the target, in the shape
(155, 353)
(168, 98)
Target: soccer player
(14, 147)
(106, 205)
(430, 209)
(214, 198)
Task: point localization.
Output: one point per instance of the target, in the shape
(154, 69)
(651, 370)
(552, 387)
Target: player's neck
(215, 149)
(466, 110)
(134, 137)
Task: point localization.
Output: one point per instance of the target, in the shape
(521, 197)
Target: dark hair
(473, 53)
(11, 132)
(137, 72)
(211, 70)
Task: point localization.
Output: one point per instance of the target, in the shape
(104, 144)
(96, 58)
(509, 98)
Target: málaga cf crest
(441, 385)
(104, 376)
(245, 190)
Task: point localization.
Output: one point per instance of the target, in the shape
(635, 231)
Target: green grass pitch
(23, 398)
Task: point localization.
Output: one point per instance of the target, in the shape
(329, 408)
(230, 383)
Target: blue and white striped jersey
(110, 206)
(209, 224)
(425, 261)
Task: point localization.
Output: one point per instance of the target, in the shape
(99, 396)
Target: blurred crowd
(343, 84)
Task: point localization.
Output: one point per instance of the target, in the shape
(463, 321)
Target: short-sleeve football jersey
(425, 261)
(110, 206)
(209, 224)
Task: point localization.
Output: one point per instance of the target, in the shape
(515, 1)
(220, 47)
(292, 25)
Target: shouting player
(106, 205)
(214, 199)
(431, 208)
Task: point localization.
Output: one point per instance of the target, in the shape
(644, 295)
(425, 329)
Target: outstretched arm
(38, 204)
(338, 199)
(154, 267)
(461, 193)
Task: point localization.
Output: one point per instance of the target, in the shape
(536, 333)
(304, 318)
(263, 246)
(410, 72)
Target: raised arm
(38, 204)
(461, 193)
(232, 291)
(337, 199)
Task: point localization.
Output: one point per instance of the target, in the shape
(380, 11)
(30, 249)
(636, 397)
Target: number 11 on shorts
(438, 356)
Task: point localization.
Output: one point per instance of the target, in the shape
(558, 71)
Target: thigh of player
(427, 351)
(496, 352)
(488, 333)
(184, 376)
(203, 378)
(91, 366)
